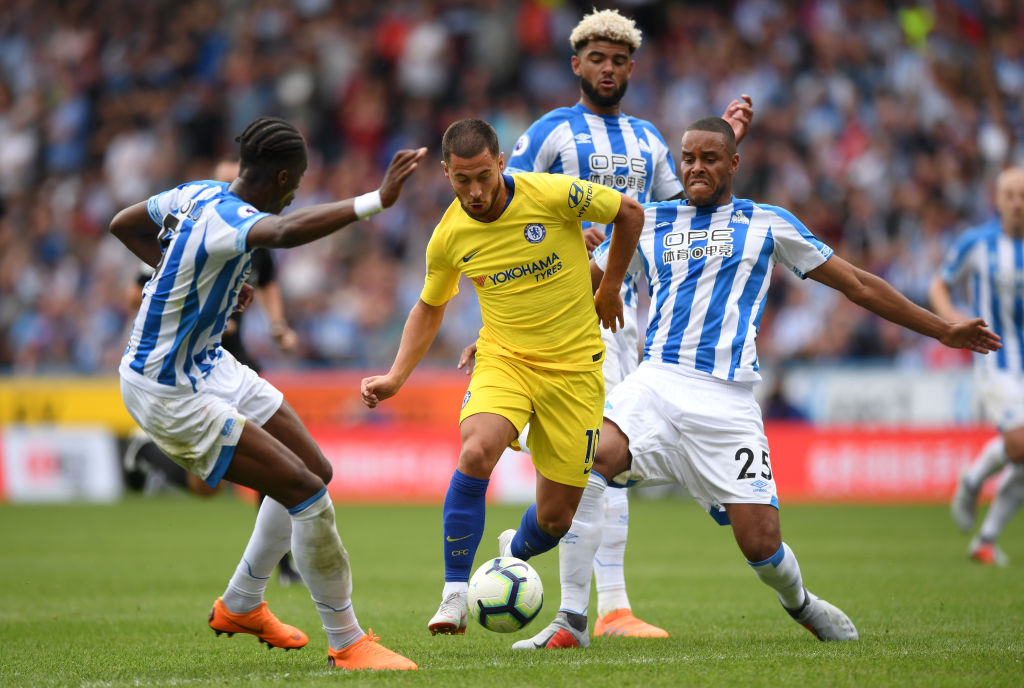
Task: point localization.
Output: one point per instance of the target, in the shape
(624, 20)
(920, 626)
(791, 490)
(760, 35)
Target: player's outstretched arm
(739, 114)
(420, 329)
(880, 297)
(628, 223)
(316, 221)
(135, 229)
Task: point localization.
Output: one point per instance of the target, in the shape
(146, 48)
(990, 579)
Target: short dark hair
(716, 125)
(270, 141)
(468, 138)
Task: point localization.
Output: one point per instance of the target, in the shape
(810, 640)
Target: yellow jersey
(530, 269)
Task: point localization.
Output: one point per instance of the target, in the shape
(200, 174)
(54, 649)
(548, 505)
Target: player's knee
(323, 468)
(555, 522)
(476, 461)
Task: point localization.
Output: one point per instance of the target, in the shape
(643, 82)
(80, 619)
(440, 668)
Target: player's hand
(377, 388)
(972, 335)
(402, 165)
(609, 308)
(245, 293)
(739, 115)
(467, 359)
(284, 336)
(593, 237)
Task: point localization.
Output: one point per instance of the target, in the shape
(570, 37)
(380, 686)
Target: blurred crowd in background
(880, 124)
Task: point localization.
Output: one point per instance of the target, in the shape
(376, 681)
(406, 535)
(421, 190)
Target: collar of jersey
(708, 208)
(580, 107)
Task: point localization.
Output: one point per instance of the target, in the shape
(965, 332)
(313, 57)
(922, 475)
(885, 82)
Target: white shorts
(200, 430)
(621, 350)
(1002, 397)
(698, 431)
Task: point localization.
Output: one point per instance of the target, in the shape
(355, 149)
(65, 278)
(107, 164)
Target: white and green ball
(505, 594)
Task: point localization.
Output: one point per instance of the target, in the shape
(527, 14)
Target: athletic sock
(270, 540)
(990, 459)
(576, 552)
(1006, 503)
(609, 571)
(323, 563)
(781, 572)
(530, 540)
(464, 513)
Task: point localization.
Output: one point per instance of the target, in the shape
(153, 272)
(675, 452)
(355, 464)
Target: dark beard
(599, 100)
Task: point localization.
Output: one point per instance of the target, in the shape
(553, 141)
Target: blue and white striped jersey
(175, 341)
(622, 152)
(708, 270)
(989, 264)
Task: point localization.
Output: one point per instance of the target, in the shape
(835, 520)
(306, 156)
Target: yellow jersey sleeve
(442, 280)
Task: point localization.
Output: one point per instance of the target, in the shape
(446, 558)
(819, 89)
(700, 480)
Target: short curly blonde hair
(606, 25)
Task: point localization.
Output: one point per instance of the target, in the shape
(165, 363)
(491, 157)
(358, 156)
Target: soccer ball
(505, 594)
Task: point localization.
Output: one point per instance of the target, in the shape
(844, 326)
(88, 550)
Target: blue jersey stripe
(992, 246)
(664, 214)
(1018, 302)
(683, 306)
(716, 310)
(187, 321)
(756, 279)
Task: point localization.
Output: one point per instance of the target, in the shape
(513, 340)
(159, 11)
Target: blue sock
(530, 540)
(463, 519)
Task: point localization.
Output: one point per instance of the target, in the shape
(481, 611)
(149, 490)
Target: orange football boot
(622, 622)
(260, 622)
(368, 653)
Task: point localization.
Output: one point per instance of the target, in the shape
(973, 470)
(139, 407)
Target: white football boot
(567, 630)
(451, 616)
(826, 621)
(505, 542)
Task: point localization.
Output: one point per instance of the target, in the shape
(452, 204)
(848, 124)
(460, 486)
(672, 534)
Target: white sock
(461, 587)
(609, 571)
(270, 540)
(988, 462)
(1005, 504)
(781, 572)
(577, 548)
(323, 563)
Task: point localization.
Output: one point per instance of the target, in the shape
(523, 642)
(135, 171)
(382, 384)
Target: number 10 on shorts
(592, 437)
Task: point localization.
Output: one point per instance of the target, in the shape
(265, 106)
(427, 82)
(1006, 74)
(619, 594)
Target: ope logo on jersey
(603, 170)
(679, 245)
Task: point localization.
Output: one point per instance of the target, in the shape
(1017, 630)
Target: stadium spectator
(845, 91)
(194, 399)
(987, 261)
(519, 240)
(688, 415)
(595, 141)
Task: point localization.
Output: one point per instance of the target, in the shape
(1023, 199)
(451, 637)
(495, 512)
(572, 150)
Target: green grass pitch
(118, 596)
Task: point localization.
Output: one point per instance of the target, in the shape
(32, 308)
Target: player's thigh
(1002, 395)
(566, 425)
(286, 426)
(265, 464)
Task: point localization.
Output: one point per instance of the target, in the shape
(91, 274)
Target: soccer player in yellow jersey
(519, 240)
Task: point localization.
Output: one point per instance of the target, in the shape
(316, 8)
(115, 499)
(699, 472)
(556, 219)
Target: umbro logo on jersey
(644, 146)
(247, 211)
(583, 138)
(467, 258)
(739, 218)
(662, 224)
